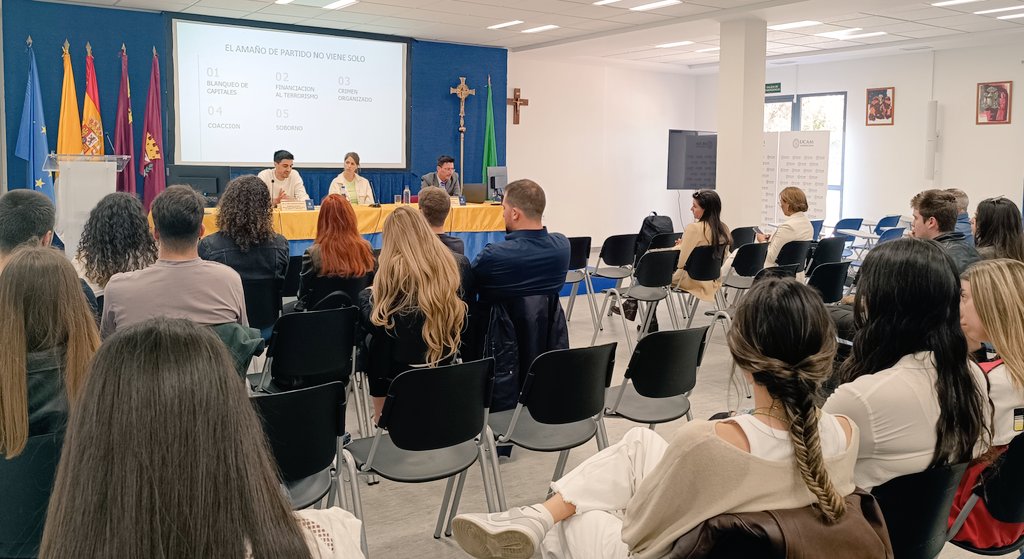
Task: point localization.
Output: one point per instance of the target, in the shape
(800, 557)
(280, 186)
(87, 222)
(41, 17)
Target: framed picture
(881, 106)
(993, 102)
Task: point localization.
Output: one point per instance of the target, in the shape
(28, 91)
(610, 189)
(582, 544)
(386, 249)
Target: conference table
(476, 224)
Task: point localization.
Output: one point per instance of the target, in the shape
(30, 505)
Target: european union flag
(32, 146)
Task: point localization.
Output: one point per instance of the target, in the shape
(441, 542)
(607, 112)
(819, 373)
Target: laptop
(475, 193)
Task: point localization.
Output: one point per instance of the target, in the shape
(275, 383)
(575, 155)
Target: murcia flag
(151, 165)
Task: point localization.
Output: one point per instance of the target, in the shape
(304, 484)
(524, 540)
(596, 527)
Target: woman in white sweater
(350, 185)
(636, 497)
(797, 227)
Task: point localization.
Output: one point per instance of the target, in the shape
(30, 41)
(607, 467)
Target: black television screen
(692, 159)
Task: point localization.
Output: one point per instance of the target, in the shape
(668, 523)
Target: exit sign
(773, 87)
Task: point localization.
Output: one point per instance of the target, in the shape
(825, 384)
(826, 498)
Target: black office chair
(303, 427)
(826, 251)
(290, 288)
(433, 426)
(335, 300)
(652, 280)
(560, 406)
(1001, 488)
(262, 301)
(703, 264)
(794, 252)
(747, 262)
(662, 241)
(788, 271)
(916, 509)
(309, 348)
(617, 255)
(830, 280)
(579, 253)
(659, 378)
(326, 285)
(743, 236)
(26, 482)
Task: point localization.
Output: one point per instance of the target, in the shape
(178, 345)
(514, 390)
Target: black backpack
(653, 225)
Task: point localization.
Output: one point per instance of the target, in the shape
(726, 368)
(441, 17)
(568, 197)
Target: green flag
(490, 143)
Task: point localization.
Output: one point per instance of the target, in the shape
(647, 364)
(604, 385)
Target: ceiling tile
(291, 10)
(794, 49)
(161, 6)
(920, 12)
(257, 16)
(217, 12)
(247, 6)
(930, 32)
(637, 18)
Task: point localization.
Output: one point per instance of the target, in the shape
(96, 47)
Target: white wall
(596, 139)
(885, 164)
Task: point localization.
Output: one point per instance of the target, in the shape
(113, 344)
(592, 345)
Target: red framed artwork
(994, 102)
(881, 106)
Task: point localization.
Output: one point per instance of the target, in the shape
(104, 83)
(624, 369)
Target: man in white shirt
(283, 181)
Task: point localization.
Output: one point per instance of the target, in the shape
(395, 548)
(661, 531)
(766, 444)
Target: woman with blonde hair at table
(413, 313)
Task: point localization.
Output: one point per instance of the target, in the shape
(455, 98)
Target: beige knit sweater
(702, 476)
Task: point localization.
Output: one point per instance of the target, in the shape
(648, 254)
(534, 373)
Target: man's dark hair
(282, 154)
(527, 196)
(445, 159)
(939, 204)
(25, 217)
(434, 205)
(178, 216)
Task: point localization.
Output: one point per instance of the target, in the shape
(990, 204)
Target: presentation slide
(242, 93)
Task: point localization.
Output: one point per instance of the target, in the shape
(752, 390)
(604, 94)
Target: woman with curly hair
(116, 239)
(246, 240)
(413, 312)
(340, 258)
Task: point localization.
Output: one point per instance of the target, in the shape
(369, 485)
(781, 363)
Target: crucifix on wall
(516, 101)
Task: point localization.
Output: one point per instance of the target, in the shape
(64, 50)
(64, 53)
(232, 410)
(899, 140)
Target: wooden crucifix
(516, 101)
(462, 91)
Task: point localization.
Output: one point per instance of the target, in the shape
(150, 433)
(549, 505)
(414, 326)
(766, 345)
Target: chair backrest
(664, 364)
(314, 343)
(579, 252)
(618, 250)
(1002, 487)
(816, 225)
(665, 240)
(291, 277)
(302, 427)
(743, 236)
(432, 408)
(830, 280)
(655, 269)
(568, 385)
(887, 221)
(336, 300)
(704, 264)
(849, 223)
(262, 301)
(916, 509)
(749, 259)
(325, 285)
(890, 234)
(794, 252)
(827, 250)
(787, 271)
(26, 482)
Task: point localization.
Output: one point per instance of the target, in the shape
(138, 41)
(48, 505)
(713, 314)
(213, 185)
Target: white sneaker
(514, 534)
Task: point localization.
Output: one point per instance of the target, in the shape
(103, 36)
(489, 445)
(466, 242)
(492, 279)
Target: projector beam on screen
(241, 93)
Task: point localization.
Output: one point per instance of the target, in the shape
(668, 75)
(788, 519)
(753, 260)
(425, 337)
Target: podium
(83, 180)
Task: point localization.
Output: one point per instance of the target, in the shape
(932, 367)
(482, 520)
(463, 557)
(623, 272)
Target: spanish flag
(69, 131)
(92, 123)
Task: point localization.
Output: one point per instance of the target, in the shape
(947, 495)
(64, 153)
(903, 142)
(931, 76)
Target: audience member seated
(165, 457)
(991, 310)
(909, 385)
(49, 337)
(707, 229)
(963, 219)
(27, 218)
(412, 313)
(245, 240)
(179, 284)
(350, 185)
(445, 177)
(116, 239)
(998, 230)
(340, 258)
(935, 219)
(435, 204)
(638, 496)
(797, 227)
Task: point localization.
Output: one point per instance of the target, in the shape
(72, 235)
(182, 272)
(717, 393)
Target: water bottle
(406, 195)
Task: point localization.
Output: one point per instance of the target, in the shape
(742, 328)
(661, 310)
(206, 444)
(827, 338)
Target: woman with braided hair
(636, 497)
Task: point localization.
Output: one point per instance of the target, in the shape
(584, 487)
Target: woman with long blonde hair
(49, 337)
(991, 310)
(413, 312)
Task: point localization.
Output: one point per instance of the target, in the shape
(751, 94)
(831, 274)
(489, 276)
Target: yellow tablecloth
(470, 218)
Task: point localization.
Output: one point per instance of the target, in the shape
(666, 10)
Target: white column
(741, 120)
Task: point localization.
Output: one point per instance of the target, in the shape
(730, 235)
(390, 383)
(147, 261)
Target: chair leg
(455, 504)
(483, 457)
(353, 483)
(572, 299)
(602, 433)
(625, 326)
(445, 503)
(499, 489)
(591, 302)
(563, 457)
(672, 311)
(652, 308)
(693, 311)
(600, 316)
